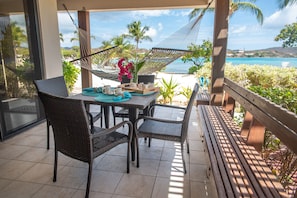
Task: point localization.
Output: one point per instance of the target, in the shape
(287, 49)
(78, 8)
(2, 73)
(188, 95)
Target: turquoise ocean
(179, 66)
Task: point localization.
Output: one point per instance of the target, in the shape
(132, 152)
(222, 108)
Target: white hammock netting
(104, 62)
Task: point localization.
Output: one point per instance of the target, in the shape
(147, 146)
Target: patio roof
(92, 5)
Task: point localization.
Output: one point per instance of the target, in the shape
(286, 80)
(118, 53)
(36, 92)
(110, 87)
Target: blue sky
(244, 30)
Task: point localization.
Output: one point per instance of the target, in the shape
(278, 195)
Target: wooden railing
(261, 114)
(234, 150)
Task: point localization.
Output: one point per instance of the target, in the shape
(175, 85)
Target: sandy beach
(183, 80)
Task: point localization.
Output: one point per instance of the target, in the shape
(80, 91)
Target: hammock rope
(158, 58)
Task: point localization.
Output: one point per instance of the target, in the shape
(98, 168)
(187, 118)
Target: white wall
(50, 40)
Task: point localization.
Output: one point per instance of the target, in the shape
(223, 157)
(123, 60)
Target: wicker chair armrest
(152, 108)
(158, 120)
(167, 106)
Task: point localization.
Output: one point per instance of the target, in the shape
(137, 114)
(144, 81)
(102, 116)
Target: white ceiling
(12, 6)
(99, 5)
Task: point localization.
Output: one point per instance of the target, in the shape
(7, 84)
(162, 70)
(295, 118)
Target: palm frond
(248, 6)
(284, 3)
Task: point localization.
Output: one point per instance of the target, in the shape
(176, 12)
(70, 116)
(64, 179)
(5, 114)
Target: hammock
(170, 49)
(104, 65)
(158, 58)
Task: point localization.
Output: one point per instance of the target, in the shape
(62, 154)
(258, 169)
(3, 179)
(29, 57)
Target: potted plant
(129, 69)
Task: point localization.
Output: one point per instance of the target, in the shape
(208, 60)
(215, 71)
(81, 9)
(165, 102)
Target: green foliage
(138, 66)
(284, 3)
(70, 73)
(235, 5)
(265, 76)
(199, 54)
(288, 168)
(285, 97)
(288, 35)
(137, 33)
(16, 33)
(70, 53)
(187, 92)
(279, 84)
(271, 143)
(205, 71)
(193, 69)
(167, 90)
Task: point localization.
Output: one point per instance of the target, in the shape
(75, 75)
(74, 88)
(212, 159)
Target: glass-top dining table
(134, 104)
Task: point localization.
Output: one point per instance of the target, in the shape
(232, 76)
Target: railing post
(248, 118)
(256, 135)
(229, 104)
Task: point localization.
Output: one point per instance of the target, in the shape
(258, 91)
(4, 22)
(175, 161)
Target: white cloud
(282, 17)
(181, 13)
(238, 30)
(65, 23)
(160, 26)
(152, 32)
(67, 37)
(150, 13)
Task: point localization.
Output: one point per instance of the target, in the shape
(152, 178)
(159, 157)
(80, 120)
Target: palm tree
(137, 32)
(124, 47)
(106, 44)
(18, 34)
(79, 33)
(234, 6)
(283, 3)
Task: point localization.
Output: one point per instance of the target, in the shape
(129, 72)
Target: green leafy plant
(199, 54)
(70, 73)
(288, 35)
(193, 69)
(271, 143)
(167, 90)
(285, 97)
(187, 92)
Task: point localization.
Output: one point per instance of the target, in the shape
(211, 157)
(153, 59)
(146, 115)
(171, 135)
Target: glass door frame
(35, 51)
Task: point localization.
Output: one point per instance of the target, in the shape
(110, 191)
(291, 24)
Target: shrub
(70, 73)
(192, 69)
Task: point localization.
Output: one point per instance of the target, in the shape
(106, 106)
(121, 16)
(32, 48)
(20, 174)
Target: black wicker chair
(57, 86)
(75, 138)
(123, 112)
(166, 129)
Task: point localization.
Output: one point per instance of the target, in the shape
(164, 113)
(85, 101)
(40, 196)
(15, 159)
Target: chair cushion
(106, 142)
(151, 128)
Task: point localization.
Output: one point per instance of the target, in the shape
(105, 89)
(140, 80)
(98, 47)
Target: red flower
(126, 68)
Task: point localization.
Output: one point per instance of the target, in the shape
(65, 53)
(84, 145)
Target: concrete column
(49, 36)
(219, 50)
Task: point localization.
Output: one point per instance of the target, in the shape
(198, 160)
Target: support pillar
(85, 47)
(219, 50)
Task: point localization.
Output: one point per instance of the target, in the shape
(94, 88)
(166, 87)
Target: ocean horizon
(178, 66)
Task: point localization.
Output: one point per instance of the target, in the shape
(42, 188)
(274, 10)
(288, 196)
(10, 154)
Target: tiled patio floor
(26, 170)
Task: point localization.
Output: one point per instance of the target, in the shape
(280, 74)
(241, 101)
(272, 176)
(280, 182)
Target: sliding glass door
(18, 101)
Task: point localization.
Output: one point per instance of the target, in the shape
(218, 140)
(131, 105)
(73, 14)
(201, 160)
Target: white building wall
(50, 40)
